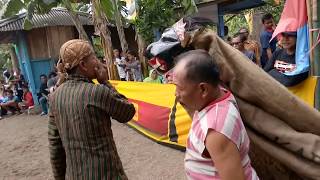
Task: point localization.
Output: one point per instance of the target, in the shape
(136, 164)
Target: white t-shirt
(120, 66)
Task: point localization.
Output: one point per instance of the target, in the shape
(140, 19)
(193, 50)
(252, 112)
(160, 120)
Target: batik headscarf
(71, 53)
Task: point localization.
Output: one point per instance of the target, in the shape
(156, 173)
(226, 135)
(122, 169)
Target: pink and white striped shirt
(221, 116)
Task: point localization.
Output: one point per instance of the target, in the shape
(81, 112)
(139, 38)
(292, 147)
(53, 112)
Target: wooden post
(26, 61)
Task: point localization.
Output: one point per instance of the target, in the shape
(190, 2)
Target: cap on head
(290, 33)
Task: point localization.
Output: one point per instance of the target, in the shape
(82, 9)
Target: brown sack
(284, 126)
(299, 165)
(304, 148)
(252, 84)
(304, 144)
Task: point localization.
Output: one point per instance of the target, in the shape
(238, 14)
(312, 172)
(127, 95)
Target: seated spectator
(53, 79)
(133, 68)
(27, 100)
(251, 45)
(19, 82)
(283, 60)
(238, 43)
(10, 102)
(43, 94)
(153, 77)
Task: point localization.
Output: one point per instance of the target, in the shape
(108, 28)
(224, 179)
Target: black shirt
(281, 60)
(43, 90)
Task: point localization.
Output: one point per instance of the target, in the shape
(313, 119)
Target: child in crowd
(27, 100)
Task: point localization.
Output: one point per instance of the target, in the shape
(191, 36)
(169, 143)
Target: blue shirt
(250, 55)
(265, 37)
(7, 99)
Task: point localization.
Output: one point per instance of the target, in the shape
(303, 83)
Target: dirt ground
(24, 152)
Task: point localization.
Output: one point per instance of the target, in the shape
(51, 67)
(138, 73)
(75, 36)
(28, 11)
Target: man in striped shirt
(80, 137)
(217, 145)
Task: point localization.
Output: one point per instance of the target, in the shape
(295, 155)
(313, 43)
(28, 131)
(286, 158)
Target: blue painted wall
(39, 67)
(31, 69)
(24, 62)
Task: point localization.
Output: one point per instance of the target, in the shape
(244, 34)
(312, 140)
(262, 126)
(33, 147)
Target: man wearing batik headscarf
(80, 137)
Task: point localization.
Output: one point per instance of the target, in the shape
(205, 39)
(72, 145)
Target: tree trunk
(14, 60)
(120, 28)
(255, 26)
(141, 49)
(100, 23)
(76, 21)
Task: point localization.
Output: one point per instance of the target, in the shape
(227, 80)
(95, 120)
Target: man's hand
(101, 73)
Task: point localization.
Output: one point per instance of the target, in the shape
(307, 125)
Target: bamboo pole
(315, 25)
(316, 52)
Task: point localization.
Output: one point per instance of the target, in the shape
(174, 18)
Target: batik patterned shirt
(80, 137)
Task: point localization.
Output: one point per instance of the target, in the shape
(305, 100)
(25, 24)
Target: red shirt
(27, 97)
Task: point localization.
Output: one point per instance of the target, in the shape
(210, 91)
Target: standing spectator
(267, 47)
(133, 68)
(80, 118)
(43, 94)
(120, 62)
(218, 144)
(238, 41)
(283, 60)
(251, 45)
(153, 77)
(27, 100)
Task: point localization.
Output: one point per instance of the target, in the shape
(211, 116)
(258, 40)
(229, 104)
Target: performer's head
(288, 40)
(267, 21)
(196, 77)
(78, 57)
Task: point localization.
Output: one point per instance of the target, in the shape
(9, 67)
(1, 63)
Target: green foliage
(189, 7)
(82, 7)
(153, 15)
(97, 46)
(107, 7)
(237, 21)
(27, 25)
(13, 7)
(158, 15)
(5, 58)
(273, 8)
(32, 6)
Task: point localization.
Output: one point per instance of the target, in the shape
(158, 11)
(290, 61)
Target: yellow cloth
(306, 90)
